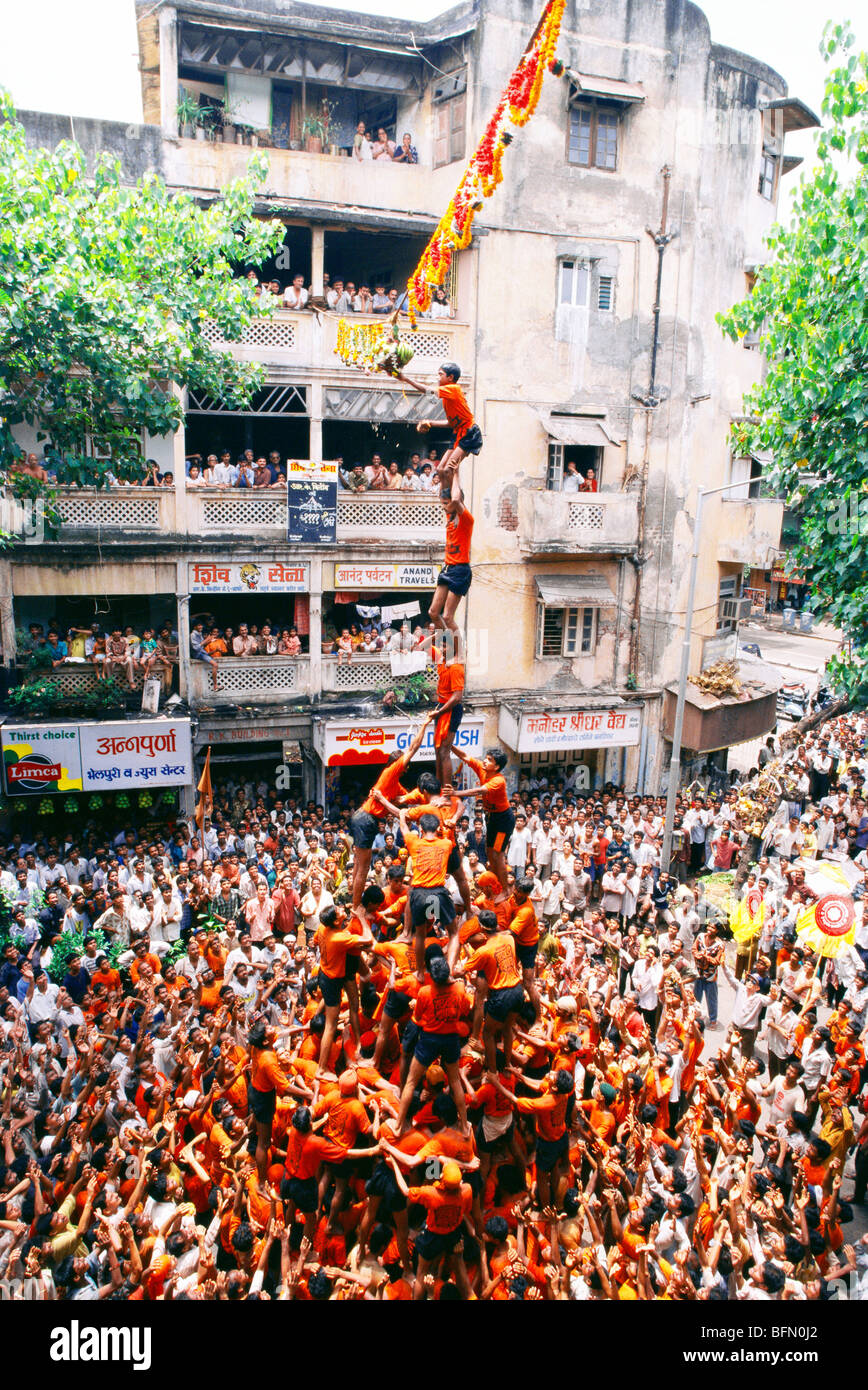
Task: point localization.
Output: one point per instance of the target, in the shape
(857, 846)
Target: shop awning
(592, 431)
(575, 591)
(797, 115)
(606, 88)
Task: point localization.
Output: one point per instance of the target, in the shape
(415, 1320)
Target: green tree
(104, 291)
(810, 308)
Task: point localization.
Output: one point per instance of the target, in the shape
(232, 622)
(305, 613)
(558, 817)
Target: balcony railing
(557, 523)
(121, 513)
(260, 680)
(308, 339)
(363, 672)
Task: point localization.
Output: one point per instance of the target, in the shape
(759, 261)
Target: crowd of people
(260, 1073)
(342, 296)
(115, 652)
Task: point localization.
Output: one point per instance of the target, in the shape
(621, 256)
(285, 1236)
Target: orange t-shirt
(458, 412)
(389, 783)
(523, 923)
(450, 680)
(304, 1153)
(347, 1118)
(445, 1208)
(430, 858)
(459, 529)
(497, 961)
(494, 795)
(333, 947)
(441, 1010)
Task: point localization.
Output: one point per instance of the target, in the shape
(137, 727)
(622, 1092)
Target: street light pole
(675, 761)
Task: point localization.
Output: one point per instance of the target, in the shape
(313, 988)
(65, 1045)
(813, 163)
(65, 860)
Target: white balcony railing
(141, 510)
(259, 680)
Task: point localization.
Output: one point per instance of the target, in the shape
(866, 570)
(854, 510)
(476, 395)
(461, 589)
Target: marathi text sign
(153, 753)
(41, 759)
(385, 576)
(312, 509)
(270, 577)
(606, 728)
(347, 744)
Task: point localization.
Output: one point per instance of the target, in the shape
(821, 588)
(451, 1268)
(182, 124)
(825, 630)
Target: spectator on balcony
(338, 298)
(345, 646)
(381, 302)
(194, 477)
(167, 652)
(215, 645)
(244, 644)
(276, 466)
(590, 483)
(384, 148)
(429, 481)
(134, 644)
(198, 652)
(394, 481)
(295, 296)
(118, 658)
(376, 473)
(352, 296)
(267, 641)
(58, 649)
(147, 652)
(151, 475)
(362, 148)
(398, 301)
(354, 481)
(363, 302)
(572, 481)
(167, 480)
(222, 473)
(407, 153)
(75, 640)
(244, 474)
(262, 474)
(440, 306)
(410, 481)
(290, 643)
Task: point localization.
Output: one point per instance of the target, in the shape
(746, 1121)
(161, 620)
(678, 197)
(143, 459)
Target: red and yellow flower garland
(359, 345)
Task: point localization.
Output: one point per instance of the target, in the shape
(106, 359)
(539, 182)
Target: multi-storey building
(633, 209)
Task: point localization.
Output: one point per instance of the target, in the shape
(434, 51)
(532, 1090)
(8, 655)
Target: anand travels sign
(571, 729)
(345, 743)
(385, 577)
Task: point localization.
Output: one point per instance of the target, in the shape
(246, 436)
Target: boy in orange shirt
(468, 437)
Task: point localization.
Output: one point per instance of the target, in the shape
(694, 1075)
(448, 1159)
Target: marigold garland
(361, 345)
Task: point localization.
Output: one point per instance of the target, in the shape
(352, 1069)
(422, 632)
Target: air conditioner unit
(735, 610)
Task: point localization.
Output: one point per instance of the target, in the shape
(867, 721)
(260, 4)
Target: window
(605, 293)
(450, 118)
(768, 179)
(573, 283)
(565, 631)
(773, 149)
(584, 456)
(592, 140)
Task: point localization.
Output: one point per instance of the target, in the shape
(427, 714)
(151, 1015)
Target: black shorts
(262, 1104)
(332, 990)
(487, 1146)
(503, 1002)
(431, 1245)
(499, 826)
(550, 1151)
(410, 1038)
(526, 955)
(453, 863)
(470, 441)
(397, 1004)
(456, 578)
(365, 828)
(431, 905)
(303, 1192)
(382, 1184)
(352, 967)
(437, 1047)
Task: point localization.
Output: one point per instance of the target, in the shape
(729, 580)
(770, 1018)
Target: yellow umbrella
(828, 925)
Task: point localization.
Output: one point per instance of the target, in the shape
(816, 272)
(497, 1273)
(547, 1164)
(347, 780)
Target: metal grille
(278, 333)
(426, 344)
(364, 513)
(121, 510)
(585, 516)
(252, 678)
(271, 400)
(231, 512)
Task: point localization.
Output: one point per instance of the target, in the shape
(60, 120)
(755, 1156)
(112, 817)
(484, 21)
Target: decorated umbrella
(748, 916)
(828, 925)
(825, 876)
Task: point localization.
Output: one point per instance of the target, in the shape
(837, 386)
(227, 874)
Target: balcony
(308, 340)
(271, 680)
(557, 523)
(748, 531)
(362, 673)
(142, 514)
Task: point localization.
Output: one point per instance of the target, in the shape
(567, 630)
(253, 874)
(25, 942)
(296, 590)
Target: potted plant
(189, 116)
(231, 133)
(313, 130)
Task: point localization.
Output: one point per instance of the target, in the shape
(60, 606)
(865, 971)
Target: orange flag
(206, 799)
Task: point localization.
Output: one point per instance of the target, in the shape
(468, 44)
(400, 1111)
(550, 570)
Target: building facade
(633, 209)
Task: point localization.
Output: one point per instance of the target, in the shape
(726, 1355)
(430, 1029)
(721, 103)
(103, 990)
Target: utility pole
(675, 761)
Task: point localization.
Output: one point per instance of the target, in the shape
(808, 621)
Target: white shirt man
(166, 920)
(553, 896)
(542, 849)
(223, 474)
(516, 854)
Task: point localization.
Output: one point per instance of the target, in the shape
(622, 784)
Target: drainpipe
(649, 402)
